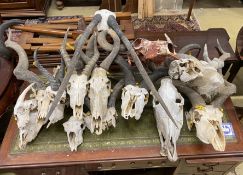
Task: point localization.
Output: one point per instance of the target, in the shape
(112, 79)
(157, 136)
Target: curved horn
(113, 24)
(189, 47)
(115, 92)
(126, 69)
(109, 59)
(90, 48)
(53, 82)
(205, 54)
(158, 73)
(193, 96)
(63, 51)
(4, 52)
(89, 67)
(224, 55)
(61, 72)
(21, 70)
(105, 44)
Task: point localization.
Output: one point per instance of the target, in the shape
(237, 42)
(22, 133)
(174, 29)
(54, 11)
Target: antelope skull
(77, 90)
(99, 91)
(168, 133)
(133, 101)
(208, 118)
(74, 128)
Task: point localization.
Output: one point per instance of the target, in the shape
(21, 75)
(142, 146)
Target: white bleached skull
(208, 118)
(74, 128)
(45, 99)
(99, 92)
(77, 90)
(185, 69)
(134, 99)
(103, 25)
(25, 112)
(168, 132)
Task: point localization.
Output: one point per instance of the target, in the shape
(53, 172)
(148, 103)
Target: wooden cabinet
(23, 8)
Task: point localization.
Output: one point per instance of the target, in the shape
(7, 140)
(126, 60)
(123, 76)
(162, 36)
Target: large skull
(208, 118)
(77, 90)
(99, 92)
(26, 115)
(133, 101)
(185, 69)
(74, 128)
(45, 99)
(168, 133)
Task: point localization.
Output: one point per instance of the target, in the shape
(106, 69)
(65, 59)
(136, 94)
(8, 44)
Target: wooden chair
(239, 53)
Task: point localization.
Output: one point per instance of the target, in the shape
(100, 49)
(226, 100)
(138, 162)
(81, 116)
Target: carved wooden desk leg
(59, 4)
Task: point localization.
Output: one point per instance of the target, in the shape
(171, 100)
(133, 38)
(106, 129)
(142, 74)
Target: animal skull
(153, 50)
(25, 112)
(185, 69)
(45, 98)
(99, 92)
(208, 118)
(77, 90)
(74, 128)
(133, 101)
(168, 133)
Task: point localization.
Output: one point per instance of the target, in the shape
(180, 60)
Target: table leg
(190, 9)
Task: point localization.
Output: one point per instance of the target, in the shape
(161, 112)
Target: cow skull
(99, 91)
(207, 118)
(133, 101)
(168, 133)
(77, 90)
(74, 128)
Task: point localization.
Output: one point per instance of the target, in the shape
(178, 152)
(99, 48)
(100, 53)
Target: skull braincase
(99, 92)
(133, 101)
(168, 132)
(74, 128)
(208, 119)
(77, 90)
(185, 69)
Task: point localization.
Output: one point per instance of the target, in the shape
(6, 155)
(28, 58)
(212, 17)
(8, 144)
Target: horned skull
(77, 90)
(133, 101)
(74, 128)
(207, 118)
(99, 91)
(185, 69)
(168, 133)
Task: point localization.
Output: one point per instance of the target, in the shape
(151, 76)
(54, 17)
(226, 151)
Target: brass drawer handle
(202, 170)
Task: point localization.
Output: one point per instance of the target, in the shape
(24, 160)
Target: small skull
(77, 90)
(74, 128)
(133, 101)
(208, 118)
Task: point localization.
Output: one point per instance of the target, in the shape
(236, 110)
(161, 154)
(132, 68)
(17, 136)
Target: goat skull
(168, 133)
(133, 101)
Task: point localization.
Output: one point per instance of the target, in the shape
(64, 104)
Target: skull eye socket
(197, 70)
(68, 86)
(183, 64)
(178, 100)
